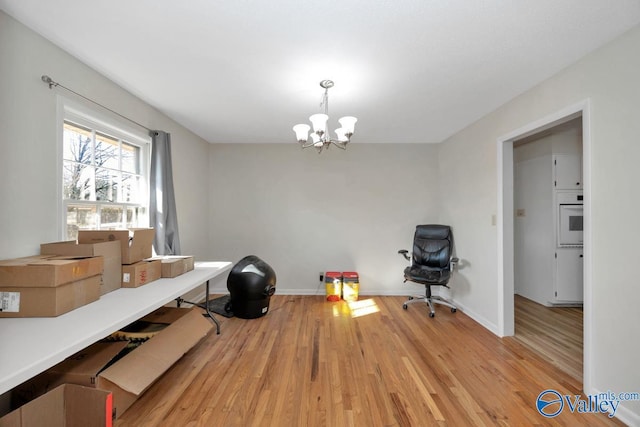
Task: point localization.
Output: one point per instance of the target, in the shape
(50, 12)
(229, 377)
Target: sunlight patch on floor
(355, 308)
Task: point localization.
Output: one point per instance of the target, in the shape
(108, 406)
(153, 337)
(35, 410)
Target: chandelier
(320, 138)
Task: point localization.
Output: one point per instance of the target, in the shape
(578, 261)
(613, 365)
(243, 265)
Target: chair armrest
(404, 253)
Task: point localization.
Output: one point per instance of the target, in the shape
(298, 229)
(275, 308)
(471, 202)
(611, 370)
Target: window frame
(89, 116)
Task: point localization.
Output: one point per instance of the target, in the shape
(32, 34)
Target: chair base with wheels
(430, 300)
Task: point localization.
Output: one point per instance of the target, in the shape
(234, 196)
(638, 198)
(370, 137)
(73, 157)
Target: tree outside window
(102, 180)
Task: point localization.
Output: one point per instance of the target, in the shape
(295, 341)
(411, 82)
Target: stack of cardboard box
(47, 285)
(109, 251)
(135, 249)
(37, 286)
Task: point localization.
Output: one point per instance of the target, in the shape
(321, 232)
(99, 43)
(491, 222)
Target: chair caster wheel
(405, 306)
(453, 310)
(432, 314)
(410, 298)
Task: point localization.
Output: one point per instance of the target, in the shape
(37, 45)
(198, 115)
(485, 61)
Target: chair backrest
(432, 246)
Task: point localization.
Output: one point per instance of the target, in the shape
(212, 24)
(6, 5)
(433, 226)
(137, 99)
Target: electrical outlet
(321, 275)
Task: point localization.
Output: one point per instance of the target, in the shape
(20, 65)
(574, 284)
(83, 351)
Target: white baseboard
(321, 291)
(623, 414)
(627, 416)
(492, 327)
(371, 292)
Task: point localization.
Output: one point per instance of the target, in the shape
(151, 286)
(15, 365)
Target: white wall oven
(570, 219)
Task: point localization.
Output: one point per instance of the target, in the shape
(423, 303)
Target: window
(104, 176)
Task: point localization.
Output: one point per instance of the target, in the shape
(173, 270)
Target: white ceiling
(248, 70)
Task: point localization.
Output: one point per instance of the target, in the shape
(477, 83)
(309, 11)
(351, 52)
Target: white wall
(609, 78)
(28, 169)
(304, 213)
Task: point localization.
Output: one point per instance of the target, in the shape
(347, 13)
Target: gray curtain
(162, 205)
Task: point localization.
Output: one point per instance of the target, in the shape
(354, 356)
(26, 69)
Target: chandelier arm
(307, 144)
(339, 144)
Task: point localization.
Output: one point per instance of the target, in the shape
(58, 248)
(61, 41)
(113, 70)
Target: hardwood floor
(555, 333)
(309, 362)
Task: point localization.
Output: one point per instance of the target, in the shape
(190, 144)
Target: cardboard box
(81, 369)
(175, 265)
(141, 273)
(135, 243)
(108, 366)
(50, 301)
(68, 405)
(132, 375)
(110, 252)
(42, 271)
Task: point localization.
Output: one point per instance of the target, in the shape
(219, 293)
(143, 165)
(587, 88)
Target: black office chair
(432, 263)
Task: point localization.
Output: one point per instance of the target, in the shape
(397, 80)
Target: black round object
(251, 283)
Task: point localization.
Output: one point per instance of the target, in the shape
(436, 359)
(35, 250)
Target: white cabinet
(568, 277)
(567, 171)
(568, 280)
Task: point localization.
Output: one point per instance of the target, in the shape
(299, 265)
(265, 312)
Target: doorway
(548, 267)
(505, 222)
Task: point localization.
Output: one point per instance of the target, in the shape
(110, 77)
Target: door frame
(505, 223)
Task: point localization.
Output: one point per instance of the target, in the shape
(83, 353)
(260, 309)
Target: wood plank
(310, 362)
(554, 333)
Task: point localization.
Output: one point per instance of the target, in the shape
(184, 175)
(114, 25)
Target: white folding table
(29, 346)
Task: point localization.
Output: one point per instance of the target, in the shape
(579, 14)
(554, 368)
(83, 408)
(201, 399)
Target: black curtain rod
(53, 84)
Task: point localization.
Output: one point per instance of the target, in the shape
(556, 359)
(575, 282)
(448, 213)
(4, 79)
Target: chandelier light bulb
(348, 123)
(319, 122)
(342, 135)
(302, 132)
